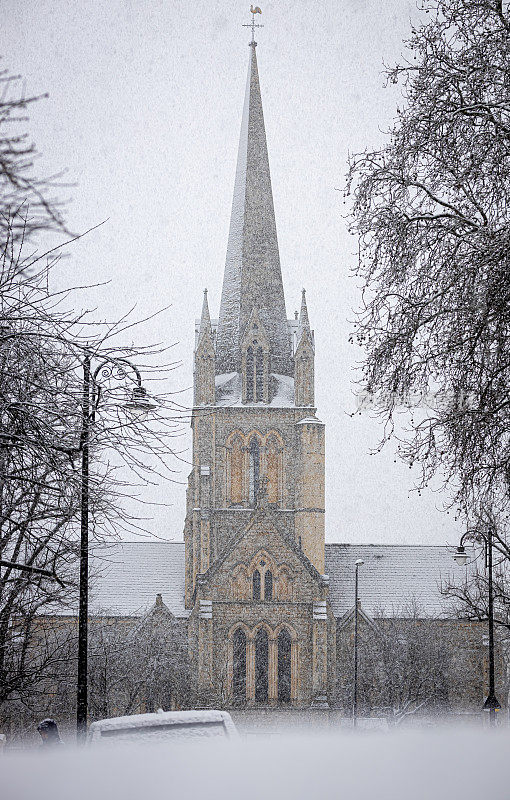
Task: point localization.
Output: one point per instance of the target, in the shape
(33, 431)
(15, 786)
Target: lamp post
(491, 704)
(91, 395)
(357, 565)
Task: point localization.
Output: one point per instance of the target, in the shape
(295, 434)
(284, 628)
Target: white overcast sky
(144, 113)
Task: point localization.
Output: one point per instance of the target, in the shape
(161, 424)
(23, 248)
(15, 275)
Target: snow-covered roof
(125, 577)
(391, 577)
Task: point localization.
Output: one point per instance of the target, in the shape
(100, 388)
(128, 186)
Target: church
(265, 603)
(254, 534)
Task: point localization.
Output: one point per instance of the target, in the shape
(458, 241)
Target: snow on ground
(447, 764)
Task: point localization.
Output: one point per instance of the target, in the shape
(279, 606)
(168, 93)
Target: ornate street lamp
(91, 396)
(491, 704)
(140, 400)
(357, 565)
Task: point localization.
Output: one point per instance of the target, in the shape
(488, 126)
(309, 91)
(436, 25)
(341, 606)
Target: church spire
(253, 278)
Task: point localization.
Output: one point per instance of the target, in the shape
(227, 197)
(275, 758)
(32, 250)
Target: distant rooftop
(392, 577)
(127, 576)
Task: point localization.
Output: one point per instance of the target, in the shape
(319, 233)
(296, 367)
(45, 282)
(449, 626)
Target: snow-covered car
(164, 726)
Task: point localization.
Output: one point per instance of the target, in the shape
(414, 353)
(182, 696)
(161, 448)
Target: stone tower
(260, 627)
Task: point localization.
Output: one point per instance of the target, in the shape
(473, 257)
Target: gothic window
(239, 666)
(259, 375)
(261, 666)
(236, 471)
(250, 387)
(268, 585)
(254, 470)
(256, 585)
(284, 666)
(273, 462)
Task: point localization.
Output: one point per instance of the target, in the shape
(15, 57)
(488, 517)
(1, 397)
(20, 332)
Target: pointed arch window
(239, 666)
(259, 375)
(254, 470)
(250, 382)
(256, 585)
(236, 471)
(268, 585)
(284, 666)
(261, 667)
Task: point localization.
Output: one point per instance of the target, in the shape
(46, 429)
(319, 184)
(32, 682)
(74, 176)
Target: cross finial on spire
(253, 25)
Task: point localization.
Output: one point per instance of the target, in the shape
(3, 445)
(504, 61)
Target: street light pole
(91, 393)
(491, 704)
(81, 697)
(358, 563)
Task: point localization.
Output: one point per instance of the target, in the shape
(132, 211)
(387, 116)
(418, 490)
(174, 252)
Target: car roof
(162, 718)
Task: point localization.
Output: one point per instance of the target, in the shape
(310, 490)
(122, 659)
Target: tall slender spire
(253, 278)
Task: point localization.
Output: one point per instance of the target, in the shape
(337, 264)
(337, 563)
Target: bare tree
(42, 351)
(20, 187)
(138, 664)
(431, 210)
(408, 664)
(45, 424)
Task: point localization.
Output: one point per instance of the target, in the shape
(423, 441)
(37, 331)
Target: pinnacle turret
(304, 322)
(304, 359)
(204, 392)
(205, 321)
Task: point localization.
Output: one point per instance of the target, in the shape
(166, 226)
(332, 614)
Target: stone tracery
(262, 664)
(253, 459)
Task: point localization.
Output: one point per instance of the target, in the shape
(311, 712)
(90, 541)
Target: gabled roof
(392, 577)
(263, 515)
(125, 577)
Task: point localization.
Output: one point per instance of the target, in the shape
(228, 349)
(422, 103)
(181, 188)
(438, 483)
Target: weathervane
(253, 24)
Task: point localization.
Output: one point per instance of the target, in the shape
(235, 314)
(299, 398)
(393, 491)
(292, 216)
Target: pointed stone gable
(262, 537)
(255, 330)
(253, 277)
